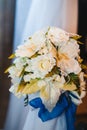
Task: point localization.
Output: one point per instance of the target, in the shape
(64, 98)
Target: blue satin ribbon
(63, 105)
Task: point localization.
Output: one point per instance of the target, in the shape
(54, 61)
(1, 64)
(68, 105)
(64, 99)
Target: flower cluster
(47, 65)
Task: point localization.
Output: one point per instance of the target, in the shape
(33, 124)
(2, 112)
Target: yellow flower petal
(20, 87)
(62, 56)
(11, 56)
(80, 60)
(31, 87)
(69, 87)
(7, 70)
(44, 94)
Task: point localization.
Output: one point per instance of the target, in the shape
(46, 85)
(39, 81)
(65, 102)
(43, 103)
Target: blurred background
(7, 18)
(7, 13)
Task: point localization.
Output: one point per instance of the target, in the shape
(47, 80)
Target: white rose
(57, 35)
(70, 48)
(31, 46)
(41, 65)
(69, 66)
(20, 62)
(14, 71)
(26, 50)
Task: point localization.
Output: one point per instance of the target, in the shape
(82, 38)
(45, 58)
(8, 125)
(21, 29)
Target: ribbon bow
(63, 105)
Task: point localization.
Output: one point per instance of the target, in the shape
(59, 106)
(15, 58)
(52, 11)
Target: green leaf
(84, 66)
(73, 78)
(76, 37)
(80, 42)
(35, 55)
(47, 31)
(55, 70)
(11, 56)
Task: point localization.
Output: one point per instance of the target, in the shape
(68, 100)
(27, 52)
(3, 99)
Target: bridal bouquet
(47, 67)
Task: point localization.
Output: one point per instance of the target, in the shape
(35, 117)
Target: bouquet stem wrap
(63, 105)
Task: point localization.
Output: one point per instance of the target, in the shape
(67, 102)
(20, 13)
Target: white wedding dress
(32, 15)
